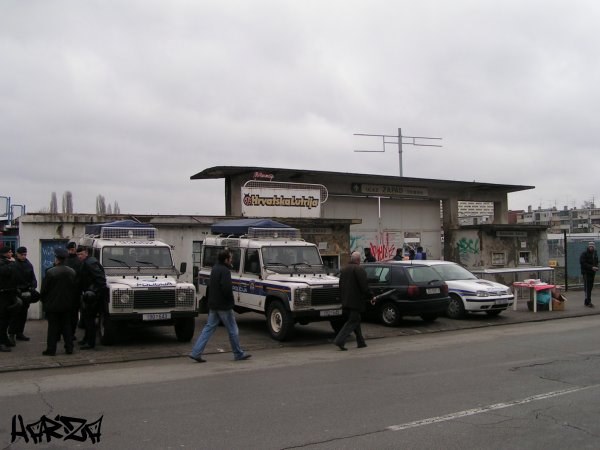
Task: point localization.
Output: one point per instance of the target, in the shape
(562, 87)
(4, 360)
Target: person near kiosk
(589, 266)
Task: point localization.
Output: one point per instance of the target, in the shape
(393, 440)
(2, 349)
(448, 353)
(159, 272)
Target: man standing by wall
(589, 266)
(26, 284)
(220, 309)
(354, 292)
(59, 287)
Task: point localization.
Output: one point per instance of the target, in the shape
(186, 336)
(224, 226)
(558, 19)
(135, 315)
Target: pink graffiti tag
(385, 250)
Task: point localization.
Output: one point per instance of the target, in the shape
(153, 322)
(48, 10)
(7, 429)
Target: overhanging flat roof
(229, 171)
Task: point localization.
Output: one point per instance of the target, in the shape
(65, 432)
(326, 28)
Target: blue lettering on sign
(47, 252)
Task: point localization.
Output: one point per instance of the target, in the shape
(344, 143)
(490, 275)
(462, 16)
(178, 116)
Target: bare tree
(109, 209)
(67, 203)
(100, 205)
(116, 209)
(53, 204)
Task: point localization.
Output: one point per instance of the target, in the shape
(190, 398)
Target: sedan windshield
(452, 272)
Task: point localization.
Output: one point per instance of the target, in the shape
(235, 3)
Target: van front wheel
(279, 321)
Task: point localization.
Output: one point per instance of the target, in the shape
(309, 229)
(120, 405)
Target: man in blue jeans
(220, 309)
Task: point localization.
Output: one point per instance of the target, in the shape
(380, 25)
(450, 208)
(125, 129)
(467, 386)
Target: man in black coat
(589, 266)
(8, 294)
(354, 293)
(59, 287)
(26, 284)
(92, 282)
(220, 309)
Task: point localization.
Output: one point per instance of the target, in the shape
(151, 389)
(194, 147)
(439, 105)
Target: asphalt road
(529, 385)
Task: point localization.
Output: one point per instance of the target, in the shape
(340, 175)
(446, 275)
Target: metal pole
(566, 259)
(400, 148)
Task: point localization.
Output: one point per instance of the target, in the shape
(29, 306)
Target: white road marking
(484, 409)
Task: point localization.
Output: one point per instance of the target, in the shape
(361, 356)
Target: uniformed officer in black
(92, 281)
(74, 263)
(26, 283)
(8, 294)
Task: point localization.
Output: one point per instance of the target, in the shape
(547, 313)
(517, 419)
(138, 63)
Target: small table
(533, 288)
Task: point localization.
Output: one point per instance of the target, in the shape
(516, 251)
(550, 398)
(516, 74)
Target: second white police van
(276, 273)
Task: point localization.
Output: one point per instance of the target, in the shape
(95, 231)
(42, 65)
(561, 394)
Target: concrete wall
(479, 247)
(387, 223)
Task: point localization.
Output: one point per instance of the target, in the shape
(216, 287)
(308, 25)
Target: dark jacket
(8, 278)
(59, 289)
(73, 262)
(92, 277)
(220, 289)
(587, 260)
(354, 289)
(25, 275)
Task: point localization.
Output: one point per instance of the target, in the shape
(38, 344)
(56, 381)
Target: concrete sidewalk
(160, 342)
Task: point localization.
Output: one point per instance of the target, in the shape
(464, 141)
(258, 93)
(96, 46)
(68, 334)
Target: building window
(498, 259)
(524, 258)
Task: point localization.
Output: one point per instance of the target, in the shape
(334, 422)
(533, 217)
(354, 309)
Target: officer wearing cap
(59, 289)
(589, 266)
(26, 284)
(8, 294)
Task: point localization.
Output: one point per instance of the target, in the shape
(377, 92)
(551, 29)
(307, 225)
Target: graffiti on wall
(382, 245)
(468, 246)
(468, 251)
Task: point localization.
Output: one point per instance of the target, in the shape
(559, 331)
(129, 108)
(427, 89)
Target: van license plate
(331, 312)
(156, 316)
(433, 290)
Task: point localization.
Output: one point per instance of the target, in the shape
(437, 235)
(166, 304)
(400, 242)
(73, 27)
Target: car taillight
(413, 291)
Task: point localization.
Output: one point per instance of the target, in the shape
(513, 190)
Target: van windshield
(131, 256)
(287, 259)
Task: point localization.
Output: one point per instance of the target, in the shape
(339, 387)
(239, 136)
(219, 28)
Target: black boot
(11, 340)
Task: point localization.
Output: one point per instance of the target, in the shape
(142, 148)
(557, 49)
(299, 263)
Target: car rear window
(377, 274)
(422, 274)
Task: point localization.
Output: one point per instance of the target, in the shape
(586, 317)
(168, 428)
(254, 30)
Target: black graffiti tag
(61, 427)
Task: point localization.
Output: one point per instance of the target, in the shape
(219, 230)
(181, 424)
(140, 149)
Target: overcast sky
(128, 99)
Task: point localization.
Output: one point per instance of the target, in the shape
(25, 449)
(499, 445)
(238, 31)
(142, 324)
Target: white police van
(275, 272)
(142, 280)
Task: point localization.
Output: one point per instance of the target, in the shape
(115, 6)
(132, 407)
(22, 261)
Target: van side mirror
(183, 268)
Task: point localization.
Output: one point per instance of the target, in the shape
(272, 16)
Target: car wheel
(184, 328)
(389, 314)
(456, 308)
(429, 317)
(494, 312)
(279, 321)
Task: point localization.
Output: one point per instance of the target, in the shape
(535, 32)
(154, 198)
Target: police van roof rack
(274, 233)
(115, 233)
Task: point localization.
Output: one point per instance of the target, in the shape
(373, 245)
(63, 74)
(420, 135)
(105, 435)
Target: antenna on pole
(412, 140)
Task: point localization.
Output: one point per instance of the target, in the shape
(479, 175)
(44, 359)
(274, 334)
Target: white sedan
(469, 293)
